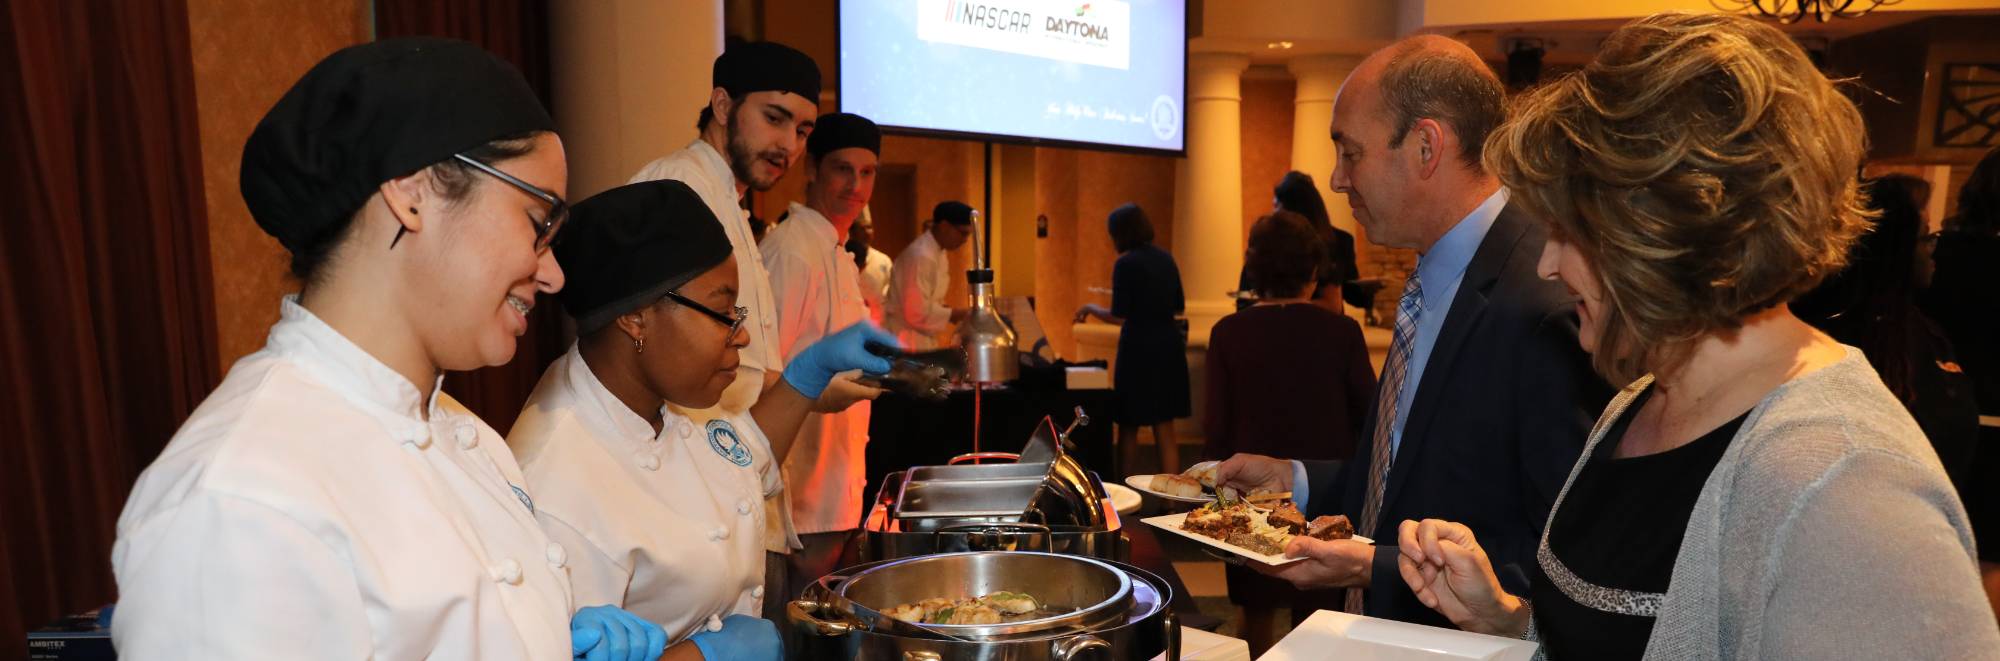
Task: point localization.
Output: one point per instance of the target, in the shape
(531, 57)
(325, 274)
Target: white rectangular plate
(1172, 523)
(1336, 635)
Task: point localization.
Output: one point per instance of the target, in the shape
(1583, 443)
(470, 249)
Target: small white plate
(1144, 482)
(1336, 635)
(1172, 523)
(1125, 500)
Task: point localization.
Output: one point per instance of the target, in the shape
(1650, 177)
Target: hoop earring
(639, 345)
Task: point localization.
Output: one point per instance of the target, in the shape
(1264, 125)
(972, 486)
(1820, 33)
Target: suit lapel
(1467, 307)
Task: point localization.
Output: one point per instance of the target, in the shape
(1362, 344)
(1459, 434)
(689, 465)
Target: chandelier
(1793, 11)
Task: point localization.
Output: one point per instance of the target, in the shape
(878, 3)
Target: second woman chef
(664, 514)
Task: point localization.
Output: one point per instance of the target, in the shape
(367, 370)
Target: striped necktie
(1386, 405)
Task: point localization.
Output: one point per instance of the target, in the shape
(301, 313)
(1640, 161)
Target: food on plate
(1203, 472)
(1241, 525)
(1330, 528)
(1176, 485)
(994, 608)
(1267, 545)
(1288, 518)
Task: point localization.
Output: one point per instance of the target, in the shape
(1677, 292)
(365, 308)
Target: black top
(1151, 379)
(1621, 527)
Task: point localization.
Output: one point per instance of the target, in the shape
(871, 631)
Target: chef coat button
(649, 462)
(557, 555)
(743, 507)
(757, 592)
(506, 571)
(468, 437)
(687, 429)
(714, 623)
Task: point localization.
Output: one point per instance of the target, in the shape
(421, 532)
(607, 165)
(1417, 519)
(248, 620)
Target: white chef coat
(919, 280)
(875, 276)
(704, 169)
(668, 525)
(311, 508)
(818, 289)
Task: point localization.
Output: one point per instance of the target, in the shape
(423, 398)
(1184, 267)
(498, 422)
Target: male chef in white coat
(922, 275)
(818, 289)
(763, 105)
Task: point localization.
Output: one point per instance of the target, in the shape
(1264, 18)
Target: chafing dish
(1053, 504)
(1102, 610)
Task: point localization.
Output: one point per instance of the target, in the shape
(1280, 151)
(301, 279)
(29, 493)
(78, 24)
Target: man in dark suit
(1486, 398)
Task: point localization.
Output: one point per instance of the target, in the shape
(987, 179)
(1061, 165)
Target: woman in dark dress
(1297, 194)
(1870, 305)
(1964, 299)
(1151, 382)
(1285, 377)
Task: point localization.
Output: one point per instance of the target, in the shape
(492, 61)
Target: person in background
(762, 102)
(660, 515)
(1296, 193)
(1964, 300)
(1151, 381)
(327, 501)
(818, 290)
(1285, 376)
(1755, 493)
(875, 265)
(921, 278)
(1485, 398)
(1871, 306)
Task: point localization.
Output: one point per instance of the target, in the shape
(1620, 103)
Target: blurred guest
(1151, 381)
(1284, 376)
(1964, 299)
(1755, 493)
(921, 276)
(875, 265)
(1297, 193)
(1871, 306)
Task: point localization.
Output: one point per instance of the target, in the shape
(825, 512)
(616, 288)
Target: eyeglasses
(549, 225)
(545, 229)
(734, 322)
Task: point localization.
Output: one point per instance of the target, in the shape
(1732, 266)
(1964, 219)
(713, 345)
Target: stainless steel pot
(1111, 610)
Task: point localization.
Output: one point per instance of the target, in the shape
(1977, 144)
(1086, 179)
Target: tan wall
(246, 54)
(1267, 141)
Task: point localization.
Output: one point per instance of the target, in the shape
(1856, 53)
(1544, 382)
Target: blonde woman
(1755, 493)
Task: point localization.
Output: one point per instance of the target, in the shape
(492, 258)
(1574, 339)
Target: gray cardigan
(1827, 531)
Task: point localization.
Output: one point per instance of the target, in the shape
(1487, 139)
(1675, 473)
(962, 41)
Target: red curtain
(107, 327)
(517, 31)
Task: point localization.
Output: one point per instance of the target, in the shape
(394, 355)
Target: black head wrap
(626, 247)
(370, 113)
(766, 66)
(954, 212)
(841, 130)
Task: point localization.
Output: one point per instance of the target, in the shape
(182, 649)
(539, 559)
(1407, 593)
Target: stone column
(631, 77)
(1208, 234)
(1319, 78)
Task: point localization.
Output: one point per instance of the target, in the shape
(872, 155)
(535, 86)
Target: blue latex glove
(610, 633)
(742, 638)
(814, 367)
